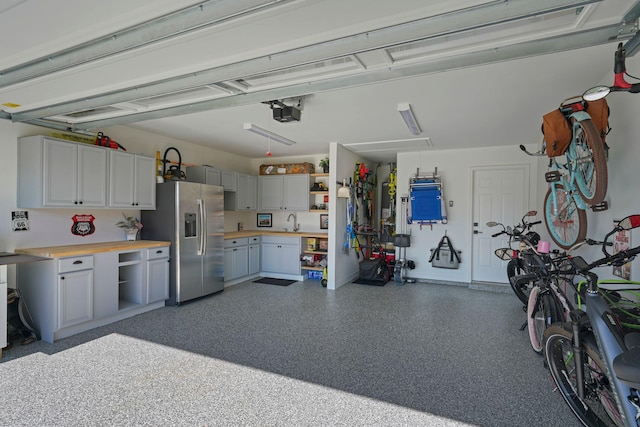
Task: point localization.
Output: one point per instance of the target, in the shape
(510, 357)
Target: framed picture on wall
(264, 220)
(324, 221)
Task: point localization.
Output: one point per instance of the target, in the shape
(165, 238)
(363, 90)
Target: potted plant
(131, 225)
(324, 164)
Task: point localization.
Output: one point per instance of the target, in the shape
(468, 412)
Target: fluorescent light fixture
(267, 134)
(396, 145)
(406, 113)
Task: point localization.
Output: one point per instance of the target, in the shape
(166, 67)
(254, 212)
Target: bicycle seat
(627, 367)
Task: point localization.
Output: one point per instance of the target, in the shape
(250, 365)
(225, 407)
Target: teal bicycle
(577, 178)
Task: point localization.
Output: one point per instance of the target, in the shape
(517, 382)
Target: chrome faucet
(295, 221)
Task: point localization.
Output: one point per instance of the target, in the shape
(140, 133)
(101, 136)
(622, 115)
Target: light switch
(450, 203)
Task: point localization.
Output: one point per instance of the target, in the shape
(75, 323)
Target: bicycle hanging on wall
(577, 177)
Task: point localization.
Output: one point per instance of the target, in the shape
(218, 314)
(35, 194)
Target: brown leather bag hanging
(599, 112)
(557, 133)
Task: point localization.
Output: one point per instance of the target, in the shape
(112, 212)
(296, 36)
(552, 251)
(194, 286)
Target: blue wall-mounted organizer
(426, 200)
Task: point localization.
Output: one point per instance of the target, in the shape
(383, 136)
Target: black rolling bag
(373, 271)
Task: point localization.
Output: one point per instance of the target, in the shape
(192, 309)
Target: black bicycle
(594, 361)
(521, 268)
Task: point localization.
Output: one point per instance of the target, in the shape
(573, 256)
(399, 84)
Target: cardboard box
(283, 169)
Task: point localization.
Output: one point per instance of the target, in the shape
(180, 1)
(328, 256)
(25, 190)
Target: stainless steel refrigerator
(190, 216)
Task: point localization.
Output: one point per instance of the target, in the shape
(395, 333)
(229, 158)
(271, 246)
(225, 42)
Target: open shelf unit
(311, 248)
(129, 279)
(317, 198)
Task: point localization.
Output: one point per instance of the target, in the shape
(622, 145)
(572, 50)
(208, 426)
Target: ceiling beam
(576, 40)
(631, 19)
(494, 13)
(206, 14)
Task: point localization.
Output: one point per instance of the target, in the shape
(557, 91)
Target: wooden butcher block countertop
(249, 233)
(90, 248)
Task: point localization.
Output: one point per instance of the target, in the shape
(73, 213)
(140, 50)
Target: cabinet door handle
(159, 251)
(61, 277)
(77, 262)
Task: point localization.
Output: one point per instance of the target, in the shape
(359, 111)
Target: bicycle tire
(514, 268)
(569, 225)
(591, 175)
(542, 312)
(599, 407)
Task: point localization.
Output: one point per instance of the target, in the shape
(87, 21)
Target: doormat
(279, 282)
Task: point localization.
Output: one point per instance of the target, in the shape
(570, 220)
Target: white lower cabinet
(236, 262)
(254, 255)
(241, 258)
(157, 274)
(69, 295)
(280, 255)
(75, 298)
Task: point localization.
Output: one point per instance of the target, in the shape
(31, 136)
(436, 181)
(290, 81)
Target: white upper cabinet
(132, 181)
(284, 192)
(57, 173)
(204, 175)
(229, 180)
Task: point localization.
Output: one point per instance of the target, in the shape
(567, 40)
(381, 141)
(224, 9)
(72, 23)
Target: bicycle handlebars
(619, 82)
(616, 259)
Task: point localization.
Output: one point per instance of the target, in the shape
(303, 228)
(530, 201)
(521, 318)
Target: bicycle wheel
(542, 312)
(590, 161)
(514, 268)
(568, 225)
(598, 408)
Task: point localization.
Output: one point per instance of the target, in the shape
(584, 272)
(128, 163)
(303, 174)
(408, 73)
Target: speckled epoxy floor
(256, 354)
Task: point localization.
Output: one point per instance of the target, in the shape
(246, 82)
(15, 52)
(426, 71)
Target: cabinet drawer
(66, 265)
(155, 253)
(281, 240)
(232, 243)
(254, 239)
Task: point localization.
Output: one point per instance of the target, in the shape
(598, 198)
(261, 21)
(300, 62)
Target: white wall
(455, 169)
(343, 265)
(623, 192)
(52, 226)
(308, 221)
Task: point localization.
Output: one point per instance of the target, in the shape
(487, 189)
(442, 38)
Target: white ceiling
(475, 73)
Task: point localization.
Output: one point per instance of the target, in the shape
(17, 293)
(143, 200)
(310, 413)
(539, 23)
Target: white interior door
(500, 194)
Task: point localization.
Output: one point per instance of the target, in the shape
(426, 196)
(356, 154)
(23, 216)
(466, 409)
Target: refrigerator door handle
(203, 228)
(201, 219)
